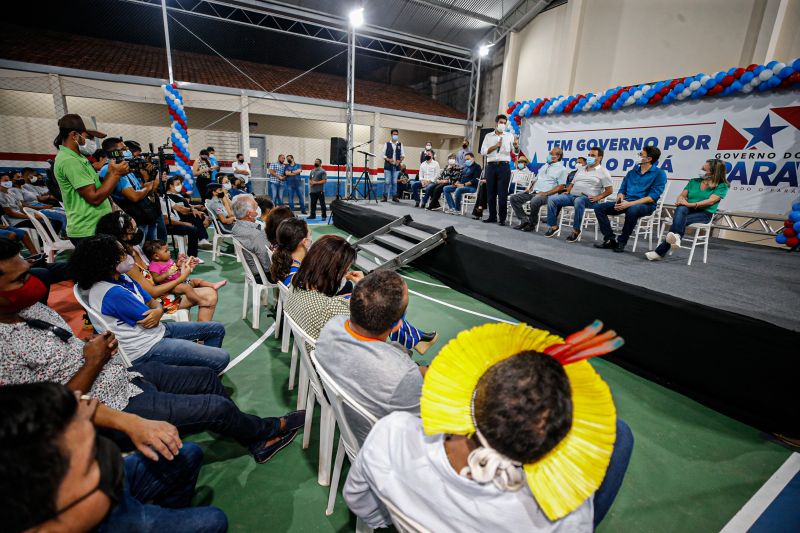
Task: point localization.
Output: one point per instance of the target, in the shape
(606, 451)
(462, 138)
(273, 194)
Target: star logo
(763, 133)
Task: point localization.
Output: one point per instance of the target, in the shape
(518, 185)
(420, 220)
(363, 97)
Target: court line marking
(446, 304)
(250, 349)
(426, 282)
(761, 500)
(218, 253)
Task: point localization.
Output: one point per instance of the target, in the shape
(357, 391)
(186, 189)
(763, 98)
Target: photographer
(146, 168)
(85, 198)
(130, 194)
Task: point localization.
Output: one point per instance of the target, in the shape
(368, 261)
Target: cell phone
(36, 258)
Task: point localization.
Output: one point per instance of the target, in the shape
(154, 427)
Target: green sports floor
(692, 468)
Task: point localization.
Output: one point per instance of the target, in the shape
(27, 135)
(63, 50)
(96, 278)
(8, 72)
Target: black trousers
(190, 232)
(202, 186)
(317, 197)
(436, 195)
(498, 176)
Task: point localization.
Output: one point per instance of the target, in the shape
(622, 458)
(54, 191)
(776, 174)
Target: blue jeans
(449, 191)
(620, 457)
(556, 202)
(193, 399)
(177, 346)
(276, 192)
(390, 182)
(632, 216)
(428, 192)
(150, 232)
(295, 188)
(167, 487)
(19, 232)
(415, 187)
(249, 187)
(683, 217)
(57, 215)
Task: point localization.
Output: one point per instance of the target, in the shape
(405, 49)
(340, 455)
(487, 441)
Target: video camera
(156, 159)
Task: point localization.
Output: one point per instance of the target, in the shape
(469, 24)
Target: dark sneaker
(383, 199)
(294, 420)
(303, 212)
(426, 341)
(501, 223)
(395, 199)
(574, 236)
(522, 226)
(416, 204)
(551, 232)
(263, 452)
(489, 220)
(620, 247)
(606, 245)
(531, 227)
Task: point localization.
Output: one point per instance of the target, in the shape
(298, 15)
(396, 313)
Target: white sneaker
(205, 242)
(652, 256)
(674, 240)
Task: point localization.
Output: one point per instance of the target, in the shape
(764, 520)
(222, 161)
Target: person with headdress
(518, 432)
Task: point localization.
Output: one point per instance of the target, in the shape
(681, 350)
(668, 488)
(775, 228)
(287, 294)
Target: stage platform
(725, 333)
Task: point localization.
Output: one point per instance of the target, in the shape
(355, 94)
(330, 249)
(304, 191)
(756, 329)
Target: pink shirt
(169, 267)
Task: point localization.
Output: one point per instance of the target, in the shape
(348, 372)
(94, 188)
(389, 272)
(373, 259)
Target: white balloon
(765, 74)
(694, 85)
(680, 96)
(755, 81)
(777, 68)
(747, 88)
(704, 79)
(645, 88)
(637, 94)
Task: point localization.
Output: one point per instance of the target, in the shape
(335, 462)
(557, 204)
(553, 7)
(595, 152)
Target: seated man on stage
(467, 183)
(429, 170)
(449, 176)
(638, 195)
(404, 180)
(552, 179)
(592, 183)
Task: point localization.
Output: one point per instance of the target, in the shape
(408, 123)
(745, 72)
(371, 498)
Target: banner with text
(758, 138)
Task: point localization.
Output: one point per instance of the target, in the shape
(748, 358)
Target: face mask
(88, 148)
(317, 165)
(258, 212)
(127, 154)
(112, 470)
(220, 194)
(31, 292)
(468, 162)
(549, 158)
(125, 265)
(226, 186)
(136, 238)
(7, 184)
(451, 161)
(428, 147)
(34, 179)
(428, 157)
(241, 161)
(395, 137)
(464, 145)
(590, 160)
(521, 166)
(501, 127)
(702, 175)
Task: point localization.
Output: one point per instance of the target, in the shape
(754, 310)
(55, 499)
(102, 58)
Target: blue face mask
(395, 137)
(590, 161)
(127, 154)
(549, 158)
(467, 162)
(521, 166)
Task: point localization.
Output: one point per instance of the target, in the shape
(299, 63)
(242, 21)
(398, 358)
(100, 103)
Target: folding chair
(53, 243)
(250, 282)
(97, 321)
(309, 393)
(219, 234)
(348, 443)
(31, 231)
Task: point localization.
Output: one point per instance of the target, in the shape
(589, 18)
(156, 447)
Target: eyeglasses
(61, 333)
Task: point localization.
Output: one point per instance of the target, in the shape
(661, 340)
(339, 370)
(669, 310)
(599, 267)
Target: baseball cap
(73, 122)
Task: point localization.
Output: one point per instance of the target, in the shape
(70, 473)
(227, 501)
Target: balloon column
(737, 80)
(180, 134)
(790, 236)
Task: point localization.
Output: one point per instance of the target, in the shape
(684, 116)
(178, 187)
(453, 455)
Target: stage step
(377, 250)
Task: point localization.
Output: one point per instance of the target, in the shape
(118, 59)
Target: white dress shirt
(429, 170)
(241, 166)
(504, 152)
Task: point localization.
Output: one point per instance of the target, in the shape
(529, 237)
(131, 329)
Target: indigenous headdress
(574, 469)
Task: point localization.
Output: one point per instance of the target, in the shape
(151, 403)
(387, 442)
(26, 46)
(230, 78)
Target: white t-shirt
(241, 166)
(591, 181)
(429, 170)
(400, 464)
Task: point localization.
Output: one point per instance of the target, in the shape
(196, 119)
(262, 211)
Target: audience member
(423, 155)
(219, 203)
(85, 198)
(13, 207)
(488, 453)
(123, 228)
(17, 234)
(292, 241)
(33, 184)
(461, 155)
(404, 180)
(638, 195)
(237, 187)
(591, 185)
(266, 205)
(130, 194)
(551, 179)
(696, 204)
(521, 175)
(213, 163)
(497, 147)
(278, 215)
(277, 179)
(100, 159)
(316, 189)
(164, 269)
(191, 214)
(466, 183)
(201, 170)
(450, 174)
(294, 183)
(249, 235)
(378, 375)
(58, 475)
(393, 156)
(241, 170)
(429, 171)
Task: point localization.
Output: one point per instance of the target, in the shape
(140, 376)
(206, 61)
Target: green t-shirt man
(73, 171)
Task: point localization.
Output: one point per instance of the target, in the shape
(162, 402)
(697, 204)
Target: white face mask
(501, 127)
(125, 266)
(34, 179)
(88, 148)
(428, 147)
(701, 174)
(451, 161)
(226, 186)
(7, 184)
(258, 212)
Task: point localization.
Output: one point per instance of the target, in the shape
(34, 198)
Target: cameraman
(129, 193)
(146, 169)
(85, 198)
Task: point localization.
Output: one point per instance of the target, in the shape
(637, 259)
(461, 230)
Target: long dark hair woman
(321, 289)
(696, 204)
(276, 216)
(293, 239)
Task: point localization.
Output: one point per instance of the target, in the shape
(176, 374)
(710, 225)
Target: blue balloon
(785, 72)
(710, 84)
(747, 77)
(679, 88)
(701, 92)
(758, 70)
(719, 75)
(796, 227)
(774, 81)
(796, 65)
(510, 103)
(772, 64)
(763, 86)
(731, 71)
(794, 216)
(736, 86)
(780, 238)
(641, 101)
(796, 206)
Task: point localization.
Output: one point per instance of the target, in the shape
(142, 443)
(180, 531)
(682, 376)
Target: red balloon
(664, 91)
(727, 80)
(791, 243)
(716, 89)
(655, 99)
(789, 232)
(788, 223)
(752, 67)
(738, 72)
(518, 119)
(606, 104)
(510, 110)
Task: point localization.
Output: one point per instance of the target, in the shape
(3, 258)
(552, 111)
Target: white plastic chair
(348, 443)
(97, 320)
(702, 235)
(401, 521)
(250, 282)
(53, 243)
(182, 241)
(31, 231)
(219, 234)
(648, 226)
(286, 332)
(309, 393)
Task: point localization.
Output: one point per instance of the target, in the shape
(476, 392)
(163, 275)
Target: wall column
(59, 100)
(244, 126)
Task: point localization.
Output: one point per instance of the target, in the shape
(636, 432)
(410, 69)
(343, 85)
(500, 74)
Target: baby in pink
(165, 270)
(158, 268)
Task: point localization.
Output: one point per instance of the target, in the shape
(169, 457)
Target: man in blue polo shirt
(637, 197)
